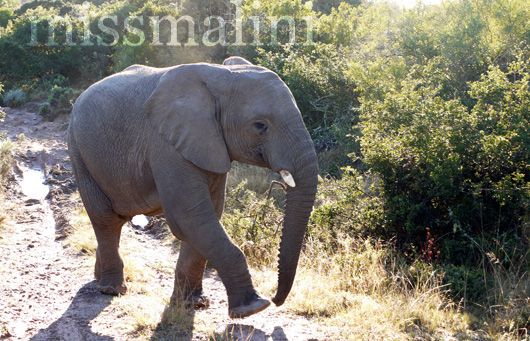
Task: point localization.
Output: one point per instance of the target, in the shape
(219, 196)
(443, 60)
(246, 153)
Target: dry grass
(82, 238)
(509, 295)
(365, 292)
(256, 179)
(6, 161)
(5, 158)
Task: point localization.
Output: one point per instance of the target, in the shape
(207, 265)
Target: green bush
(326, 6)
(14, 98)
(21, 62)
(465, 282)
(45, 109)
(254, 223)
(61, 99)
(352, 205)
(461, 172)
(40, 88)
(267, 12)
(5, 15)
(11, 4)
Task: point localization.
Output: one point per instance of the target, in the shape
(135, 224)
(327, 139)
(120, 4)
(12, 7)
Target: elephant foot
(252, 305)
(197, 302)
(194, 300)
(114, 289)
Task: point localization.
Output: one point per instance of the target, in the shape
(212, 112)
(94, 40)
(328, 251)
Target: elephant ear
(184, 111)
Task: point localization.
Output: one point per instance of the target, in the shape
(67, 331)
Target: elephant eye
(260, 127)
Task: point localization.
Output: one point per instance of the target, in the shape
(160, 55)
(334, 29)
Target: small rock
(4, 332)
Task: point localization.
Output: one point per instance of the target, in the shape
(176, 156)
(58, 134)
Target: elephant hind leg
(188, 277)
(108, 269)
(107, 226)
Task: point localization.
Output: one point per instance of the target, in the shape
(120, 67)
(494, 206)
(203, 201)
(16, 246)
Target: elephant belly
(132, 203)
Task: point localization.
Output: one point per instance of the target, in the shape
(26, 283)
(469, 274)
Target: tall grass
(365, 290)
(6, 161)
(507, 283)
(366, 287)
(81, 237)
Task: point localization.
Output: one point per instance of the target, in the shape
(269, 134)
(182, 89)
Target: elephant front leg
(186, 197)
(188, 278)
(225, 257)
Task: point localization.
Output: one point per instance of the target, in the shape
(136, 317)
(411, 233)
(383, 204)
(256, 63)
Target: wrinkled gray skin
(150, 140)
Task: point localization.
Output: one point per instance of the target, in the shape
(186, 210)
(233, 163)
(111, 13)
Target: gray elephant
(161, 140)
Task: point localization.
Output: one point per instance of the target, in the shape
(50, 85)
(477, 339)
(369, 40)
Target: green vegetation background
(420, 118)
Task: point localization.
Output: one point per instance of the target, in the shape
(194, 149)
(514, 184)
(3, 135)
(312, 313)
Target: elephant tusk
(287, 177)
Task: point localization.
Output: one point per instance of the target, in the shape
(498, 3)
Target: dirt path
(47, 290)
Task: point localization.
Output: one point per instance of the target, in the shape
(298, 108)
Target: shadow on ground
(74, 324)
(176, 324)
(244, 332)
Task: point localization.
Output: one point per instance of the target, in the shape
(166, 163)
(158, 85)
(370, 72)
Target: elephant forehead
(263, 95)
(262, 86)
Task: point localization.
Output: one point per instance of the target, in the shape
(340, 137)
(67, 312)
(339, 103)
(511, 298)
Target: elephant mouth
(260, 157)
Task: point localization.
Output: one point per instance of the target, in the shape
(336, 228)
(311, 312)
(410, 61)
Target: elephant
(161, 140)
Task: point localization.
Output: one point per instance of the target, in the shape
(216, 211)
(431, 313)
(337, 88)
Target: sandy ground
(47, 290)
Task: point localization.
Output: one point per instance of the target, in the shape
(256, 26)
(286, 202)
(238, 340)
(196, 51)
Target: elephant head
(214, 114)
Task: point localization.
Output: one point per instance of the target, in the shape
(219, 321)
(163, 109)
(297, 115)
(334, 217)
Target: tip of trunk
(278, 301)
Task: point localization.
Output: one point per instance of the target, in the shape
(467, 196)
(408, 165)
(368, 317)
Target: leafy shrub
(61, 99)
(14, 98)
(5, 165)
(5, 15)
(20, 62)
(461, 172)
(124, 55)
(41, 88)
(274, 10)
(11, 4)
(350, 206)
(23, 60)
(340, 25)
(326, 6)
(256, 179)
(45, 109)
(465, 282)
(253, 221)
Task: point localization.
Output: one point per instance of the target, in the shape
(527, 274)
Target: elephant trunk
(299, 203)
